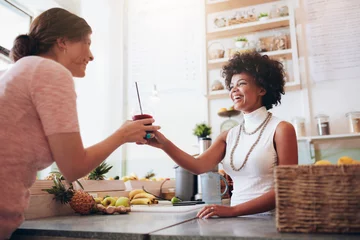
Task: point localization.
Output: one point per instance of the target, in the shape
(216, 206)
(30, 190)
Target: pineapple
(150, 175)
(99, 172)
(80, 201)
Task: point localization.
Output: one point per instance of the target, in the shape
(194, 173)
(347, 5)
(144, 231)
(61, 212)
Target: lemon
(345, 160)
(355, 162)
(323, 162)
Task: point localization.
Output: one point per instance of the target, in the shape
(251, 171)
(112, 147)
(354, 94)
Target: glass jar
(274, 12)
(323, 125)
(299, 125)
(354, 121)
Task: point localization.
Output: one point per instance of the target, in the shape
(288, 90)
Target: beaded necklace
(242, 128)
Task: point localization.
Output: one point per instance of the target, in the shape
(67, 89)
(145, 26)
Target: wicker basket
(313, 198)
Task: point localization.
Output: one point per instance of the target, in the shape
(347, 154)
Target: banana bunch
(140, 197)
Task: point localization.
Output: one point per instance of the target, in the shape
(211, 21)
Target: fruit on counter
(222, 110)
(122, 201)
(140, 201)
(99, 172)
(125, 178)
(134, 192)
(111, 209)
(144, 195)
(116, 178)
(110, 178)
(98, 200)
(132, 176)
(145, 198)
(108, 201)
(323, 162)
(175, 200)
(150, 176)
(345, 160)
(80, 201)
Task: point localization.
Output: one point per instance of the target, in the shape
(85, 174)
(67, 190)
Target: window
(13, 21)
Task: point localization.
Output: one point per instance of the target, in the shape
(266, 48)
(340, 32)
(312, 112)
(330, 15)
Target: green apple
(108, 201)
(175, 200)
(122, 201)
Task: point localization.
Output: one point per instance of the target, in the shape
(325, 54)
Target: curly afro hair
(268, 74)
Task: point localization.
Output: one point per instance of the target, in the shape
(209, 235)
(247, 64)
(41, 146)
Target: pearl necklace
(242, 127)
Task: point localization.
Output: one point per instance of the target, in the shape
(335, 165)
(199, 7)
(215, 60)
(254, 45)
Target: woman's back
(37, 99)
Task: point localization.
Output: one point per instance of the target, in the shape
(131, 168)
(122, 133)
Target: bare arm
(287, 152)
(204, 163)
(74, 161)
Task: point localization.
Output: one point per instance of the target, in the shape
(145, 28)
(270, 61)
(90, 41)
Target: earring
(64, 51)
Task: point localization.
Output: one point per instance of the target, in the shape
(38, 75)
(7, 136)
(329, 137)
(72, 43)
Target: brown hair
(46, 29)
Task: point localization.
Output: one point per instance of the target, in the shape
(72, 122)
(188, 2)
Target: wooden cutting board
(166, 207)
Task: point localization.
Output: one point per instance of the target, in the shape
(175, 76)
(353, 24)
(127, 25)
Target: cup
(142, 116)
(211, 187)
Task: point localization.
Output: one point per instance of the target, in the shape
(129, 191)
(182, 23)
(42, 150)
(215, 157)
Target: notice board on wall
(333, 39)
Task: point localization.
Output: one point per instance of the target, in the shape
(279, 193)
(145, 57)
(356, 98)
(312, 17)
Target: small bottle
(323, 125)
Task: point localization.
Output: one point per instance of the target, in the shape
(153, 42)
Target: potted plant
(240, 42)
(263, 16)
(202, 130)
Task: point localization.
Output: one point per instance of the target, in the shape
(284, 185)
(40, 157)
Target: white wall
(165, 47)
(100, 93)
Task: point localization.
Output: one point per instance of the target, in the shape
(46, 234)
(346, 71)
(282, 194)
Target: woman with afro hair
(250, 150)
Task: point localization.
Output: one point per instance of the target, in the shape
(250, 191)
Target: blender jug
(185, 184)
(211, 188)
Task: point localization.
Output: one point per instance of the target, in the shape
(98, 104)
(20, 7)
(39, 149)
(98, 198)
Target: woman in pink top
(38, 116)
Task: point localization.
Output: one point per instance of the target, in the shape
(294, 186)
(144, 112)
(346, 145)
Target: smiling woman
(249, 151)
(38, 117)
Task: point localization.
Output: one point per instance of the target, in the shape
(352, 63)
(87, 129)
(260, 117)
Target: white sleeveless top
(256, 177)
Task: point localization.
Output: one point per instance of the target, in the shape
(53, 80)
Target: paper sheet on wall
(333, 39)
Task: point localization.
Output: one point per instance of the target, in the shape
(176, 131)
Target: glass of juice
(139, 116)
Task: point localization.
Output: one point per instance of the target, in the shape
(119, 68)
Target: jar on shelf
(354, 121)
(274, 12)
(284, 11)
(299, 125)
(323, 125)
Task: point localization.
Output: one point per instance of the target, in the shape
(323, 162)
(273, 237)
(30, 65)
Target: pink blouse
(37, 99)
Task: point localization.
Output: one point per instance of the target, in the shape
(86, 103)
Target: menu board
(333, 39)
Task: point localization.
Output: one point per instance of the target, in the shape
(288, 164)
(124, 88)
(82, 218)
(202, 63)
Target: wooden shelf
(223, 94)
(256, 26)
(231, 4)
(329, 137)
(218, 63)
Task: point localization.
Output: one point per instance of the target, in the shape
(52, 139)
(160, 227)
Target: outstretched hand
(136, 131)
(158, 140)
